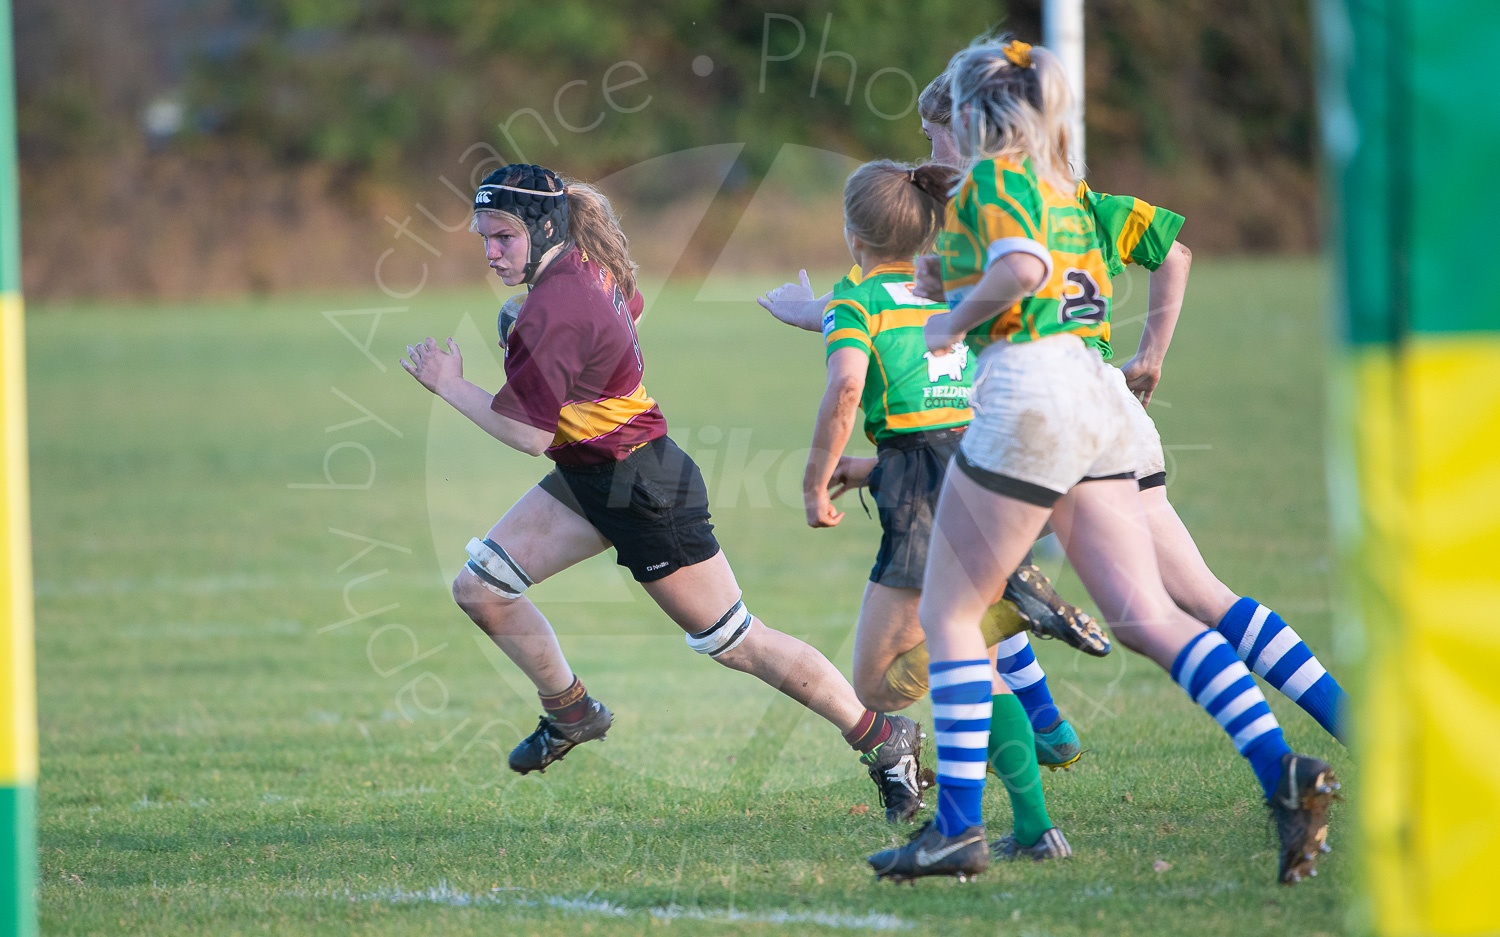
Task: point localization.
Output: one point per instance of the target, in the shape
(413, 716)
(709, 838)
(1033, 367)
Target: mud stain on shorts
(1034, 445)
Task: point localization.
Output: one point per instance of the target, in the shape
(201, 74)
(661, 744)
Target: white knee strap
(725, 635)
(500, 574)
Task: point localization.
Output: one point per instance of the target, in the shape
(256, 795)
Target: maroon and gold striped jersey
(573, 365)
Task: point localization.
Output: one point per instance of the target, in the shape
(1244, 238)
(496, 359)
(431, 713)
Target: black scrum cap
(535, 195)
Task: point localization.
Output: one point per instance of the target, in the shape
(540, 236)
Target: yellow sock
(1001, 620)
(907, 674)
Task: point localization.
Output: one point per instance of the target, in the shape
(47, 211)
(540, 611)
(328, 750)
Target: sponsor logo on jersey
(950, 366)
(1069, 230)
(945, 393)
(901, 293)
(827, 324)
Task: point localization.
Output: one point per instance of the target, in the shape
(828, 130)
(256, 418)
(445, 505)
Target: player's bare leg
(1118, 566)
(888, 627)
(1187, 578)
(1261, 639)
(1105, 530)
(697, 596)
(543, 537)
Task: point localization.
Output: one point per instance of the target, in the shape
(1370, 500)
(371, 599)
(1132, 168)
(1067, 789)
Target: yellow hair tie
(1018, 52)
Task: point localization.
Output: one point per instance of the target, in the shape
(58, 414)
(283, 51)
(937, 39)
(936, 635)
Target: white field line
(444, 894)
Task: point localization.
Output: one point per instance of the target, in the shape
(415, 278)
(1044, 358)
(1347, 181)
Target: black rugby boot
(896, 768)
(1048, 616)
(931, 853)
(1300, 809)
(552, 739)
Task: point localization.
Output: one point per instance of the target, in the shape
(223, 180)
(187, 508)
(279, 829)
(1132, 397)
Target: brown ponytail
(594, 227)
(896, 208)
(936, 180)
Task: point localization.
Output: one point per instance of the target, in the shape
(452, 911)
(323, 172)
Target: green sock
(1012, 753)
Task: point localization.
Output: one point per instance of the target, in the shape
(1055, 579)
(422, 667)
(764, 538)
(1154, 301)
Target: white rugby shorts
(1048, 414)
(1151, 466)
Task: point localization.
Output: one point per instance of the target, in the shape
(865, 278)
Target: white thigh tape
(725, 635)
(494, 567)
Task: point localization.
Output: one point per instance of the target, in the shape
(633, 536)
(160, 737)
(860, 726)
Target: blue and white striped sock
(1276, 653)
(1019, 669)
(1219, 682)
(961, 717)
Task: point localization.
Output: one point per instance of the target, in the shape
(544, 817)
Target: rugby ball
(507, 318)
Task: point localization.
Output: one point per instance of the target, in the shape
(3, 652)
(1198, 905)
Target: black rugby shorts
(652, 505)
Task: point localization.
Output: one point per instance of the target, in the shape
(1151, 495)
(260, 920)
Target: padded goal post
(18, 760)
(1411, 128)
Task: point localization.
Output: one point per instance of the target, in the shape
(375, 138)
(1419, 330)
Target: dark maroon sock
(568, 706)
(869, 732)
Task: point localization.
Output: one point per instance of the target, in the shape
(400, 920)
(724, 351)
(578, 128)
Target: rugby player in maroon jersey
(574, 392)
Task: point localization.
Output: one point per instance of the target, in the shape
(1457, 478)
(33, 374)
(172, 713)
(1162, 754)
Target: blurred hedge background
(176, 148)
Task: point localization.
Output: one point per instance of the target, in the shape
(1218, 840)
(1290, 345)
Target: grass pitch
(253, 721)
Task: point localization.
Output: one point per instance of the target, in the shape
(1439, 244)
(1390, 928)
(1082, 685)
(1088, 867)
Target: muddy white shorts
(1151, 466)
(1048, 414)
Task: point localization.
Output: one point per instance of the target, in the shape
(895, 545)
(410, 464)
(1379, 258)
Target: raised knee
(495, 569)
(874, 693)
(485, 607)
(491, 575)
(471, 595)
(881, 697)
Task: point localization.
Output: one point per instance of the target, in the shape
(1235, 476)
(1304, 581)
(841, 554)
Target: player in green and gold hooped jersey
(1021, 258)
(916, 409)
(894, 680)
(1133, 231)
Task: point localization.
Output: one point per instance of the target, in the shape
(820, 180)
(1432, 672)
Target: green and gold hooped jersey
(907, 389)
(1003, 207)
(1131, 231)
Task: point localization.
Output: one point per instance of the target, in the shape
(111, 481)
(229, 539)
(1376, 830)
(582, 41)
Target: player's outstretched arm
(1164, 305)
(846, 381)
(442, 372)
(794, 304)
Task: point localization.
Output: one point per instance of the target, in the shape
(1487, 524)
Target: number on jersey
(1082, 299)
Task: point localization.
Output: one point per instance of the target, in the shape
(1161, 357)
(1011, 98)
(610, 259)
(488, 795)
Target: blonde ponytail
(594, 227)
(935, 103)
(1057, 105)
(1014, 110)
